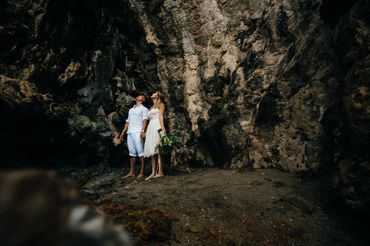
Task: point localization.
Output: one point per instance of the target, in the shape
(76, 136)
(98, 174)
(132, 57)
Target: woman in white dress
(153, 133)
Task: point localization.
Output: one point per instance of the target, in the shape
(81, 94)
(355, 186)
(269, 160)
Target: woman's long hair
(159, 101)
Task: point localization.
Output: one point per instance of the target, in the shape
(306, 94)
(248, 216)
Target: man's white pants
(135, 144)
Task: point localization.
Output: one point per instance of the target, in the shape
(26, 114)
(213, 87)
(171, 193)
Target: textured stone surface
(264, 83)
(258, 80)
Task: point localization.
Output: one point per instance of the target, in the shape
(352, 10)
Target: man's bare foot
(140, 176)
(150, 177)
(189, 170)
(130, 175)
(159, 175)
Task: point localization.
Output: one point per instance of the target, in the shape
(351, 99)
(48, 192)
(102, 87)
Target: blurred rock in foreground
(39, 208)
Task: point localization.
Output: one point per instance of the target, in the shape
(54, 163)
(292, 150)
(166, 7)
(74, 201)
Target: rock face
(87, 58)
(247, 83)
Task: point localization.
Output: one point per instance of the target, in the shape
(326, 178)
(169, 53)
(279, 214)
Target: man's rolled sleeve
(145, 113)
(128, 117)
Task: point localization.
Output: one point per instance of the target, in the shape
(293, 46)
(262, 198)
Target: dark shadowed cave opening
(212, 142)
(215, 150)
(31, 139)
(332, 10)
(269, 115)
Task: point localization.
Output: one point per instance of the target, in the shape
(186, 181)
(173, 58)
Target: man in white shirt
(134, 127)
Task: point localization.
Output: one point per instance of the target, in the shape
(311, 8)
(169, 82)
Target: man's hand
(142, 135)
(122, 136)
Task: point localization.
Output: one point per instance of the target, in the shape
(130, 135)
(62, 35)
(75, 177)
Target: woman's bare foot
(130, 175)
(150, 177)
(140, 176)
(159, 175)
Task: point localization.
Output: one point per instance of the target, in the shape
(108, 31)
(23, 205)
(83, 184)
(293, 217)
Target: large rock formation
(262, 83)
(87, 57)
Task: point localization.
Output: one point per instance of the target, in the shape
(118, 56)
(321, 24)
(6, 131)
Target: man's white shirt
(135, 118)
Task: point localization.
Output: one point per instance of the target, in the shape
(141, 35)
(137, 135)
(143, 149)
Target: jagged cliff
(264, 83)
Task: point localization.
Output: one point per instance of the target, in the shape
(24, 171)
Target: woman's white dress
(152, 134)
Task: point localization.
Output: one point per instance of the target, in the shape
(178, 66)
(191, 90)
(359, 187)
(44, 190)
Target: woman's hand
(142, 135)
(162, 132)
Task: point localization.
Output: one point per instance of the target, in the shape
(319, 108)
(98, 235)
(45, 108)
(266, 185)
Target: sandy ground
(219, 207)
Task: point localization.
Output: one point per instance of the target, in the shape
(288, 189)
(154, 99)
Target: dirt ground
(219, 207)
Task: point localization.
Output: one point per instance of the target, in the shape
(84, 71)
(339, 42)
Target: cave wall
(247, 83)
(84, 61)
(263, 83)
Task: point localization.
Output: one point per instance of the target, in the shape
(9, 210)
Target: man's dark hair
(142, 94)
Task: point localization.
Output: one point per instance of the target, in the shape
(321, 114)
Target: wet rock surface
(223, 207)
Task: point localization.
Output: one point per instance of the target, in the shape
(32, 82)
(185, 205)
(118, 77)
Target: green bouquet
(166, 144)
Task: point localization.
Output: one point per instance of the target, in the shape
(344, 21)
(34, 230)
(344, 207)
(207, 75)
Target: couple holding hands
(144, 128)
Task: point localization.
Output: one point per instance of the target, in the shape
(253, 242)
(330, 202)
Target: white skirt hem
(152, 138)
